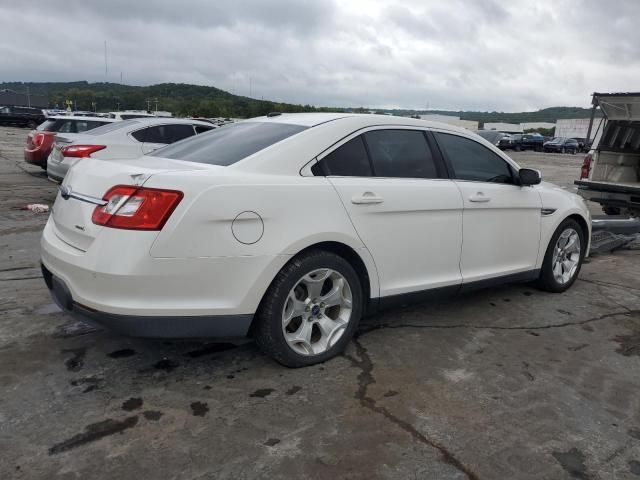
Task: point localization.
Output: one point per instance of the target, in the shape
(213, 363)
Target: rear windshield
(112, 127)
(229, 144)
(621, 136)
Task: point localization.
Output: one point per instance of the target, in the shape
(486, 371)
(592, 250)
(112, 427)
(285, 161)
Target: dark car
(491, 136)
(527, 141)
(21, 116)
(562, 145)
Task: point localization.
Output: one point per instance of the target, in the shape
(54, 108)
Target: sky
(515, 55)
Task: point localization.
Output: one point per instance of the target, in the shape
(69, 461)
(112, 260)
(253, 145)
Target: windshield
(112, 127)
(230, 144)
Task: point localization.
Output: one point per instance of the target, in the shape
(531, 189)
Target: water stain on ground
(527, 293)
(94, 432)
(262, 393)
(153, 415)
(578, 347)
(210, 349)
(272, 441)
(634, 467)
(123, 353)
(76, 362)
(293, 390)
(199, 409)
(391, 393)
(166, 364)
(634, 433)
(573, 463)
(132, 404)
(564, 312)
(629, 345)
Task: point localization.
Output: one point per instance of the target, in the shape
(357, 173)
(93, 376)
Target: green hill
(196, 100)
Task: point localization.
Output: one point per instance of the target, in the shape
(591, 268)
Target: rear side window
(229, 144)
(400, 153)
(164, 133)
(348, 160)
(473, 161)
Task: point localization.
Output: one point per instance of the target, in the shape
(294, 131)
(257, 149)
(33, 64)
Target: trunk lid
(87, 182)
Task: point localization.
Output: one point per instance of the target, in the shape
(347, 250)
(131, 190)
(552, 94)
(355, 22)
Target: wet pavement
(503, 383)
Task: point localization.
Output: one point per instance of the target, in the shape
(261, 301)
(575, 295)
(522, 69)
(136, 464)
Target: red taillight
(38, 139)
(586, 166)
(136, 208)
(81, 151)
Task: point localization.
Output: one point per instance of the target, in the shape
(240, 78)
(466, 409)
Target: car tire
(553, 279)
(31, 124)
(563, 150)
(290, 295)
(518, 148)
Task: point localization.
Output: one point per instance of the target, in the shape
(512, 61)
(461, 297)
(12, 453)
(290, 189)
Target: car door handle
(479, 198)
(366, 198)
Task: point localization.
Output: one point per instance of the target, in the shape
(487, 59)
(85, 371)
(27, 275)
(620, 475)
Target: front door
(501, 219)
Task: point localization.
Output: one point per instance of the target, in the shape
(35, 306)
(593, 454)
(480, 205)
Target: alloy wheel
(317, 311)
(566, 256)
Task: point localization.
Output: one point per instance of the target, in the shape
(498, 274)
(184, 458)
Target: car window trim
(512, 168)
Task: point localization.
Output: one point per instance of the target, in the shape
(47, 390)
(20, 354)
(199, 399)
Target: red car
(40, 141)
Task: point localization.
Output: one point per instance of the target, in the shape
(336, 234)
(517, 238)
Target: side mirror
(529, 176)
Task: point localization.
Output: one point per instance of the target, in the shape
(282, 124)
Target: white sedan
(122, 139)
(292, 227)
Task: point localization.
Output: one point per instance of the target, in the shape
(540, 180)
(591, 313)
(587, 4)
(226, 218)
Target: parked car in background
(491, 136)
(118, 140)
(506, 142)
(292, 227)
(527, 141)
(40, 141)
(610, 173)
(561, 145)
(129, 114)
(21, 116)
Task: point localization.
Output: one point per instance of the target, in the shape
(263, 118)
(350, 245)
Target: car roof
(81, 119)
(146, 121)
(355, 119)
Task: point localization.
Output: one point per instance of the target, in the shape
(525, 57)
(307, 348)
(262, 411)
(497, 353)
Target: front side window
(400, 153)
(473, 161)
(348, 160)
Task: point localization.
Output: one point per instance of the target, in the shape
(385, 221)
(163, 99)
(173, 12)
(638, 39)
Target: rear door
(501, 220)
(405, 211)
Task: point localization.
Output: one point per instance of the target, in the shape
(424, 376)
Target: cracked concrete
(502, 383)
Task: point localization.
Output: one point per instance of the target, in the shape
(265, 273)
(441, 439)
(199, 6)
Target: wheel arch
(361, 262)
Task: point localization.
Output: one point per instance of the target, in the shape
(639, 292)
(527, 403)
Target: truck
(610, 172)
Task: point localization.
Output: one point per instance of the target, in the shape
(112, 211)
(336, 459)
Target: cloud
(459, 54)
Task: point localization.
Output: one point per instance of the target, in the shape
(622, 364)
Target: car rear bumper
(36, 157)
(56, 170)
(199, 326)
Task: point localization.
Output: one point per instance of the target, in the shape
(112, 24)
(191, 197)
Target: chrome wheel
(566, 256)
(317, 312)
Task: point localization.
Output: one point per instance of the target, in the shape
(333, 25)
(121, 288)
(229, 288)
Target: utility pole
(155, 100)
(106, 65)
(120, 78)
(28, 97)
(148, 105)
